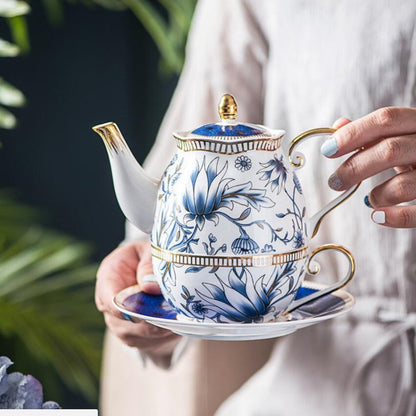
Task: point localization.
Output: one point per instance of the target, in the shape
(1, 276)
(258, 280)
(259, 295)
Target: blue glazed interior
(236, 130)
(156, 306)
(304, 291)
(149, 305)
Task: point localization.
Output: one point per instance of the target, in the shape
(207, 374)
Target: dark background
(96, 66)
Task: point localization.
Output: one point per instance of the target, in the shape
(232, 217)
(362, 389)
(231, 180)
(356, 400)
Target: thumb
(145, 276)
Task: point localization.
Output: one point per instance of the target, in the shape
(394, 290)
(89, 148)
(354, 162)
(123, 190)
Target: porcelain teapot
(229, 227)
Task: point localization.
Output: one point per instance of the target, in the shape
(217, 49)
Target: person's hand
(380, 141)
(124, 267)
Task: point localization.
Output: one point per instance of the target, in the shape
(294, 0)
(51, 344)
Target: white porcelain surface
(310, 314)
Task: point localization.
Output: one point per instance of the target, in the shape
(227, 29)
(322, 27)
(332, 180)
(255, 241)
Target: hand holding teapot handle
(297, 161)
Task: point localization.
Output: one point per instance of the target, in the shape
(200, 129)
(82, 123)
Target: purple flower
(18, 391)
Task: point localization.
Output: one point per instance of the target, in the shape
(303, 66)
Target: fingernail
(379, 217)
(127, 317)
(335, 182)
(329, 147)
(367, 201)
(149, 278)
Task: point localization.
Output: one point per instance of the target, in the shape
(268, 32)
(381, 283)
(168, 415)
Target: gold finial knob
(227, 107)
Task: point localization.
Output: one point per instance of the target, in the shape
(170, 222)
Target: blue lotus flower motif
(275, 173)
(243, 299)
(208, 191)
(203, 194)
(244, 244)
(298, 239)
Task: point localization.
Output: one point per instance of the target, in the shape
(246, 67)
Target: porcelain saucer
(137, 306)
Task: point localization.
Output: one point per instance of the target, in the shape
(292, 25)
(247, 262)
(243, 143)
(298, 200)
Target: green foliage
(46, 303)
(166, 21)
(48, 319)
(13, 11)
(49, 325)
(169, 35)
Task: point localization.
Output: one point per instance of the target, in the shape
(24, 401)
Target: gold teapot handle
(297, 161)
(313, 271)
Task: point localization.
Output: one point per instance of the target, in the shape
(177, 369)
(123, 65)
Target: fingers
(342, 121)
(400, 188)
(142, 335)
(122, 268)
(385, 122)
(383, 155)
(396, 217)
(116, 272)
(385, 197)
(145, 276)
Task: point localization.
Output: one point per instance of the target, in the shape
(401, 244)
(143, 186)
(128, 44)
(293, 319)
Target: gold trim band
(231, 148)
(261, 260)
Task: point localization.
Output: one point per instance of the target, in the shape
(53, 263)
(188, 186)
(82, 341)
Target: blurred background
(64, 67)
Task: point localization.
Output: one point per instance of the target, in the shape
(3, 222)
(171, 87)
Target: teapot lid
(228, 136)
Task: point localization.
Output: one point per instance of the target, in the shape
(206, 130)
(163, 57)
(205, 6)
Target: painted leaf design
(245, 214)
(193, 269)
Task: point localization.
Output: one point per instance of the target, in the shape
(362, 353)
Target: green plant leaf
(116, 5)
(10, 95)
(157, 28)
(46, 300)
(54, 10)
(7, 119)
(57, 342)
(8, 49)
(20, 35)
(12, 8)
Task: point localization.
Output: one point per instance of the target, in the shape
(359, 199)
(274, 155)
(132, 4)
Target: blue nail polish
(127, 317)
(335, 182)
(329, 147)
(367, 201)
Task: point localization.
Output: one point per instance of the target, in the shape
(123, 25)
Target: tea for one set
(230, 232)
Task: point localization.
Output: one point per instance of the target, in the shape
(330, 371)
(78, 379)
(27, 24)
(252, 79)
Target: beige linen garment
(295, 65)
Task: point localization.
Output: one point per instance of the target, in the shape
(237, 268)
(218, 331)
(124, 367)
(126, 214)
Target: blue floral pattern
(244, 244)
(205, 208)
(243, 163)
(243, 298)
(274, 172)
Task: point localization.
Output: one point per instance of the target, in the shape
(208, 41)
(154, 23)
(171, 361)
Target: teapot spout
(136, 191)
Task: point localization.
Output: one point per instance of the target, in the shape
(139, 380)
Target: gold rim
(217, 145)
(112, 137)
(262, 260)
